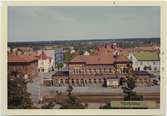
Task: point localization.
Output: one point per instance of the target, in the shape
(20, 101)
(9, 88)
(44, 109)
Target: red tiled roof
(121, 59)
(13, 58)
(98, 59)
(108, 49)
(43, 56)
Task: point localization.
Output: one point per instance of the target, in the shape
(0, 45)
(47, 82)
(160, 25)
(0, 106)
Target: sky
(45, 23)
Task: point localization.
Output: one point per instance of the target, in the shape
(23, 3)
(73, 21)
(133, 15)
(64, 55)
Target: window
(104, 69)
(110, 70)
(66, 81)
(155, 69)
(42, 63)
(154, 63)
(94, 80)
(141, 63)
(77, 81)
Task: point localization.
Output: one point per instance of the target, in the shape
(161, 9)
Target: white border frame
(6, 111)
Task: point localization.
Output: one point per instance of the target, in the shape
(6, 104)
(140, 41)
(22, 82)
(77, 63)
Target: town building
(98, 68)
(143, 78)
(72, 51)
(59, 56)
(23, 50)
(108, 48)
(86, 53)
(50, 54)
(45, 63)
(145, 61)
(24, 65)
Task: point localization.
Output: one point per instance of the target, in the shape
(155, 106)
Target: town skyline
(88, 39)
(82, 23)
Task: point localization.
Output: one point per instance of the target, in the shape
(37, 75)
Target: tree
(128, 86)
(81, 51)
(67, 56)
(49, 105)
(60, 66)
(72, 101)
(18, 97)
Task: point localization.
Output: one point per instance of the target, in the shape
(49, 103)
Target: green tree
(60, 66)
(72, 102)
(81, 51)
(49, 105)
(128, 86)
(18, 97)
(67, 56)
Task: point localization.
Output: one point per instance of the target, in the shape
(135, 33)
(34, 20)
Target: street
(37, 90)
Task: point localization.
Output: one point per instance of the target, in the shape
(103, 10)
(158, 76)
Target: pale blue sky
(76, 22)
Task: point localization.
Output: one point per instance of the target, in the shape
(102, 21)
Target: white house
(72, 51)
(86, 53)
(45, 63)
(148, 61)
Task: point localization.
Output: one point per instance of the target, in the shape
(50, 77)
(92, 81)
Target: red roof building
(43, 56)
(23, 64)
(13, 58)
(98, 59)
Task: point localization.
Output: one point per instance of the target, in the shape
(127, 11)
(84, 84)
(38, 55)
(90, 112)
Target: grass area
(146, 55)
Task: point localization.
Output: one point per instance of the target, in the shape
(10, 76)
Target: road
(37, 90)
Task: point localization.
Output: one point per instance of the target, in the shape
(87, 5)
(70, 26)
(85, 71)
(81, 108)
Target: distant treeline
(125, 43)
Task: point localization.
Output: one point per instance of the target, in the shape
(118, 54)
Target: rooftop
(13, 58)
(43, 56)
(98, 59)
(147, 56)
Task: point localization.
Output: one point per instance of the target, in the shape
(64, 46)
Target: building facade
(145, 61)
(59, 56)
(24, 65)
(97, 69)
(143, 78)
(45, 63)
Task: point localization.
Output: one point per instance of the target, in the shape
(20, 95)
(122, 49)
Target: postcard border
(160, 111)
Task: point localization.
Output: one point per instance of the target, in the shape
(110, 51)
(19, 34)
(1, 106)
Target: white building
(45, 63)
(72, 51)
(9, 49)
(86, 53)
(148, 61)
(113, 82)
